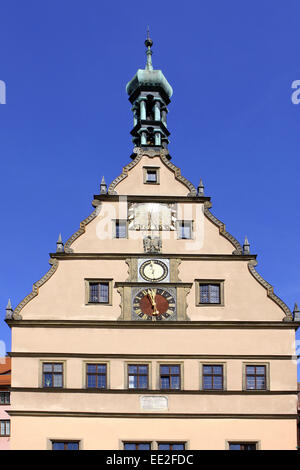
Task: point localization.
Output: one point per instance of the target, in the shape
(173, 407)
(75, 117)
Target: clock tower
(152, 329)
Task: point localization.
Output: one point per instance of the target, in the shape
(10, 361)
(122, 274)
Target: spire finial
(103, 186)
(59, 245)
(148, 44)
(9, 311)
(296, 313)
(200, 188)
(246, 246)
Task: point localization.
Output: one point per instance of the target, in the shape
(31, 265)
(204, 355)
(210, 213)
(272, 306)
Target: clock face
(154, 304)
(153, 270)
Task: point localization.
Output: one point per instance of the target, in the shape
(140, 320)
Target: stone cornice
(74, 414)
(250, 357)
(121, 324)
(151, 392)
(146, 198)
(124, 256)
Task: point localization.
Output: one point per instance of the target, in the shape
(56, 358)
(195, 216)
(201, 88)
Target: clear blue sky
(67, 120)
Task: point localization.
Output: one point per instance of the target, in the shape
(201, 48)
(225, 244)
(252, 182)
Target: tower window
(151, 175)
(120, 228)
(184, 231)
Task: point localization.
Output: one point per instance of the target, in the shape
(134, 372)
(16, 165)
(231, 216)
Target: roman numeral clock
(153, 291)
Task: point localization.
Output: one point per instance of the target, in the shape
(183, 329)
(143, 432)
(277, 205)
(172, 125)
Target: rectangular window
(209, 294)
(170, 377)
(52, 374)
(151, 176)
(256, 377)
(242, 445)
(96, 376)
(4, 398)
(5, 427)
(184, 231)
(138, 376)
(171, 446)
(137, 446)
(99, 292)
(121, 228)
(212, 377)
(65, 445)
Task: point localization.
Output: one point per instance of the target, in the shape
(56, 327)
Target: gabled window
(184, 229)
(120, 228)
(209, 292)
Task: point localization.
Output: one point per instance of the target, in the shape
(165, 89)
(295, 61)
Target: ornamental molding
(81, 230)
(270, 291)
(163, 154)
(222, 230)
(35, 289)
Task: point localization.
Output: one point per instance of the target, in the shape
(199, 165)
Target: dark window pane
(103, 292)
(164, 369)
(57, 380)
(128, 446)
(175, 369)
(132, 369)
(234, 447)
(178, 447)
(121, 229)
(102, 368)
(91, 368)
(207, 382)
(260, 383)
(207, 369)
(91, 381)
(72, 446)
(151, 175)
(143, 369)
(144, 446)
(48, 380)
(260, 370)
(217, 370)
(143, 382)
(218, 383)
(58, 446)
(175, 382)
(163, 446)
(165, 382)
(250, 370)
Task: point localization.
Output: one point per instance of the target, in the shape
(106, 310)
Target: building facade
(152, 329)
(5, 381)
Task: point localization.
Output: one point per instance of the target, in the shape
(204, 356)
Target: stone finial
(9, 311)
(59, 245)
(103, 186)
(296, 313)
(246, 247)
(200, 191)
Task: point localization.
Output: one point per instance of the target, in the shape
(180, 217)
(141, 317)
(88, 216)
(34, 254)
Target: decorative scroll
(35, 290)
(270, 292)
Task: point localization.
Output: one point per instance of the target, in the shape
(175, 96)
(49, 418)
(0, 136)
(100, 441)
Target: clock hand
(152, 294)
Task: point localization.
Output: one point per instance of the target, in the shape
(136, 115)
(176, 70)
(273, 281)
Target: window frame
(114, 234)
(136, 443)
(178, 227)
(224, 376)
(5, 393)
(171, 443)
(241, 442)
(86, 363)
(145, 174)
(6, 421)
(89, 281)
(267, 376)
(127, 365)
(50, 361)
(168, 364)
(199, 282)
(63, 441)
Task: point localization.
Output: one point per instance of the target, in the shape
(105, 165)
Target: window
(4, 398)
(184, 230)
(171, 446)
(65, 445)
(96, 376)
(52, 374)
(170, 377)
(137, 446)
(4, 427)
(151, 175)
(138, 376)
(242, 445)
(256, 377)
(209, 294)
(212, 377)
(120, 228)
(99, 292)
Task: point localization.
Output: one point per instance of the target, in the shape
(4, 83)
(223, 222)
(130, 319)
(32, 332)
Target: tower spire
(149, 93)
(149, 44)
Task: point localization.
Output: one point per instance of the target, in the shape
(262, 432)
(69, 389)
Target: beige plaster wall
(103, 433)
(63, 295)
(256, 341)
(133, 184)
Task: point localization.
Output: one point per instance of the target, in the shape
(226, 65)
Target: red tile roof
(5, 371)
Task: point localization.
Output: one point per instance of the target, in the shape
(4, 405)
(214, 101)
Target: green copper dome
(149, 77)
